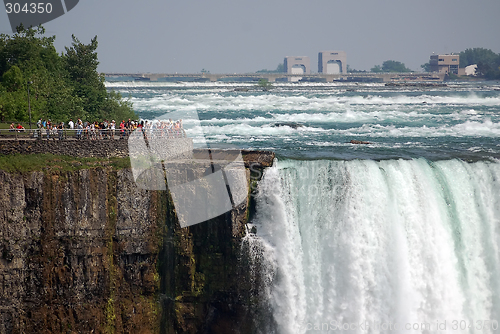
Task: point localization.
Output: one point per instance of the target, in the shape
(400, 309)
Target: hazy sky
(226, 36)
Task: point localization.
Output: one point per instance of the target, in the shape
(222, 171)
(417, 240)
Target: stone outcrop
(90, 252)
(79, 253)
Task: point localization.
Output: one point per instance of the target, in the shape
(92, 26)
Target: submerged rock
(292, 125)
(353, 141)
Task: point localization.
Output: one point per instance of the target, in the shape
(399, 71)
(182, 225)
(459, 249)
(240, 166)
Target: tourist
(122, 129)
(105, 129)
(86, 126)
(60, 130)
(92, 131)
(113, 127)
(99, 130)
(80, 129)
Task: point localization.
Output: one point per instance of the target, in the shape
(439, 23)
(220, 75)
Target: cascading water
(375, 247)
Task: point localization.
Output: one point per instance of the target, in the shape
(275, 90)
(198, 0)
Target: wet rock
(292, 125)
(353, 141)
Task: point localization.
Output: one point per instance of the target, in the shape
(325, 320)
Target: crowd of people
(108, 130)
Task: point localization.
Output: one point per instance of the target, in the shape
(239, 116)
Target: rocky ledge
(90, 252)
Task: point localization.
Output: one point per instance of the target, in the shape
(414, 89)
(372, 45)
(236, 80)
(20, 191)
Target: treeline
(487, 61)
(61, 86)
(390, 66)
(279, 69)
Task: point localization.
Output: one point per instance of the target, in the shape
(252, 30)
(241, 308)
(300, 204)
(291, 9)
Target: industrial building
(445, 63)
(297, 65)
(332, 62)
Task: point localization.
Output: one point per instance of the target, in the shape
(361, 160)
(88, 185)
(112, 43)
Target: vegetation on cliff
(20, 163)
(61, 86)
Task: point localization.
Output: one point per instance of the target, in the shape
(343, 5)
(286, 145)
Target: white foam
(382, 242)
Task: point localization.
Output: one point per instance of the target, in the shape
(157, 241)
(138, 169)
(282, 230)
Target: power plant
(329, 62)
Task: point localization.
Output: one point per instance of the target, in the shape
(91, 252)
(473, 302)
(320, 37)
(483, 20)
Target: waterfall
(402, 246)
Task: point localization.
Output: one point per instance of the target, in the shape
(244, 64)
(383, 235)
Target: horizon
(238, 37)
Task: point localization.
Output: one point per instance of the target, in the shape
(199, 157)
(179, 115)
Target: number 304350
(31, 8)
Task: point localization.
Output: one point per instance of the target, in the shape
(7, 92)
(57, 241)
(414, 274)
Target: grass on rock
(49, 162)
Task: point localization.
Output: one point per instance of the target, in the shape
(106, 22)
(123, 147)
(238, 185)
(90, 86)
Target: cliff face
(78, 253)
(89, 252)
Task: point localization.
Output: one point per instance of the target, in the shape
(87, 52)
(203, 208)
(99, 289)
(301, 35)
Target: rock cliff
(87, 251)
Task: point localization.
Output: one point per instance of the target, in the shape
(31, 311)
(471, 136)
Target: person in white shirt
(71, 126)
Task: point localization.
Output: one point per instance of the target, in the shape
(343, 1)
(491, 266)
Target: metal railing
(84, 134)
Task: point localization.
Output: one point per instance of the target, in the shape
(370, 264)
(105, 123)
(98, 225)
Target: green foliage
(352, 70)
(62, 86)
(488, 62)
(264, 84)
(81, 63)
(20, 163)
(115, 107)
(12, 80)
(426, 67)
(476, 55)
(390, 66)
(279, 69)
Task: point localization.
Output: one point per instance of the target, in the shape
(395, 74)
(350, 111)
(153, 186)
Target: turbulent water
(460, 120)
(400, 235)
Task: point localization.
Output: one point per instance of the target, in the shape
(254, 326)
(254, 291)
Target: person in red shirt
(19, 127)
(122, 129)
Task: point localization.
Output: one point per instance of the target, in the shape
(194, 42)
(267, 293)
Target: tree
(394, 66)
(487, 61)
(12, 98)
(264, 84)
(279, 69)
(81, 63)
(352, 70)
(13, 80)
(61, 86)
(476, 55)
(426, 67)
(390, 66)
